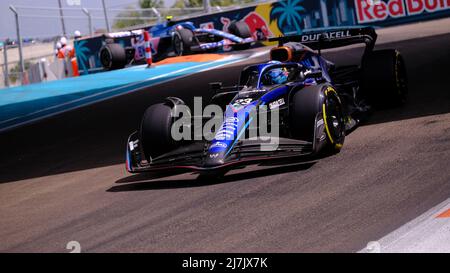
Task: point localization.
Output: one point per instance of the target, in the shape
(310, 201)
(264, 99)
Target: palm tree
(288, 15)
(82, 52)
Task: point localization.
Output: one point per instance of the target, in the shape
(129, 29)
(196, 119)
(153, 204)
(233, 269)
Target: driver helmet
(169, 20)
(278, 75)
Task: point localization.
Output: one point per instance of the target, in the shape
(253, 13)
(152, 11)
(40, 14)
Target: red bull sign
(368, 11)
(256, 22)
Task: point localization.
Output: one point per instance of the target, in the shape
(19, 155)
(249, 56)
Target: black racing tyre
(312, 101)
(155, 130)
(383, 78)
(306, 104)
(240, 29)
(334, 120)
(182, 41)
(113, 56)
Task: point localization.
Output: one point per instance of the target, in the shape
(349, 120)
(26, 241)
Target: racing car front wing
(191, 157)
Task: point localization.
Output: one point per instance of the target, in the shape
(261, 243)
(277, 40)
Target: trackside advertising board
(372, 11)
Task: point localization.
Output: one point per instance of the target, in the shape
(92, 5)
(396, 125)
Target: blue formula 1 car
(173, 39)
(314, 103)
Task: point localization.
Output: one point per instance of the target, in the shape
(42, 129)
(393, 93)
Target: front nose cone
(214, 159)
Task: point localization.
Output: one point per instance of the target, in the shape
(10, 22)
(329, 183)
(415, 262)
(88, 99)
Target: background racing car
(318, 103)
(174, 39)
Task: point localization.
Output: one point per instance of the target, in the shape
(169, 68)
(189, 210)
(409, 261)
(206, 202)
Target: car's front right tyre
(155, 131)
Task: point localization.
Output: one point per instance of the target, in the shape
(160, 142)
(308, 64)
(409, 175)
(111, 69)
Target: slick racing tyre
(384, 79)
(240, 29)
(334, 120)
(155, 130)
(113, 56)
(321, 102)
(182, 41)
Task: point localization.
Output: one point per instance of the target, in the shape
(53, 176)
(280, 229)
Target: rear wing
(332, 38)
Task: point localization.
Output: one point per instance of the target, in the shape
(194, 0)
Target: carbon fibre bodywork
(313, 84)
(229, 147)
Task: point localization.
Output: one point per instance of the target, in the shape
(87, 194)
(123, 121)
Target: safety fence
(41, 66)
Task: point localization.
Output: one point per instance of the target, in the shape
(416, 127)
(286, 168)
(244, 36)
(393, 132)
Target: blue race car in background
(173, 39)
(318, 103)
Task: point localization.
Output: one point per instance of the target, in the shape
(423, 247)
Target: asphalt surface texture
(63, 179)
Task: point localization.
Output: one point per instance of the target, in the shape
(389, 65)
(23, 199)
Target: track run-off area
(63, 178)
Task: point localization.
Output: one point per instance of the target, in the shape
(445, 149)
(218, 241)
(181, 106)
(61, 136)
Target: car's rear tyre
(182, 41)
(384, 79)
(240, 29)
(321, 102)
(113, 56)
(155, 130)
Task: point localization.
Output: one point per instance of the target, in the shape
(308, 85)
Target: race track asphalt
(64, 179)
